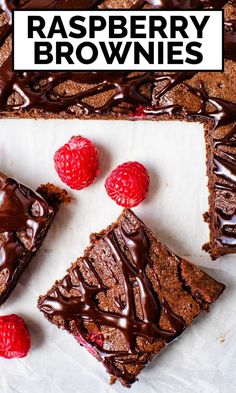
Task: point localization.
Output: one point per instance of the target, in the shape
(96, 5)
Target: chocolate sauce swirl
(225, 170)
(84, 308)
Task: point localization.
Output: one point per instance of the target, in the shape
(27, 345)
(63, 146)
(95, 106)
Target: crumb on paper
(112, 380)
(222, 337)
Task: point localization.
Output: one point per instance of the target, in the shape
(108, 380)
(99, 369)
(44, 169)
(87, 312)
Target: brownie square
(128, 297)
(25, 217)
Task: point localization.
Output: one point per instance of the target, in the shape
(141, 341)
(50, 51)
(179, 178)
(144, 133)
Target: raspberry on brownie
(128, 297)
(25, 217)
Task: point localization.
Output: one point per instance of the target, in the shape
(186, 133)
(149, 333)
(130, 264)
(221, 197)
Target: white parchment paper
(204, 359)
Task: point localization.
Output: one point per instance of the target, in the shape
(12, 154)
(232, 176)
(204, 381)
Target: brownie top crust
(24, 219)
(128, 297)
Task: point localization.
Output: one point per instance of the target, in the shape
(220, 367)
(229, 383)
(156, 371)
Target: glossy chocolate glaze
(230, 40)
(224, 113)
(23, 217)
(225, 169)
(85, 308)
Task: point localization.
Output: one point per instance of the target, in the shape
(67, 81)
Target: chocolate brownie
(205, 96)
(210, 97)
(128, 297)
(25, 217)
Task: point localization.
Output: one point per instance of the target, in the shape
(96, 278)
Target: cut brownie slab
(128, 297)
(210, 97)
(25, 217)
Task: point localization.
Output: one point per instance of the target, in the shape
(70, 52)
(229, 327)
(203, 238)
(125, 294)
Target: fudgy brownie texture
(207, 97)
(128, 297)
(25, 217)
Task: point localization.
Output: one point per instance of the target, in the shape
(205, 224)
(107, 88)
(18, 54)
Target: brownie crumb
(54, 195)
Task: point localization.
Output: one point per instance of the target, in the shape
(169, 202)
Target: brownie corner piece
(25, 217)
(128, 297)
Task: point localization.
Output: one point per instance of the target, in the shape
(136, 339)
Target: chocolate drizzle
(225, 170)
(84, 308)
(224, 113)
(228, 225)
(226, 166)
(183, 4)
(170, 81)
(230, 40)
(23, 216)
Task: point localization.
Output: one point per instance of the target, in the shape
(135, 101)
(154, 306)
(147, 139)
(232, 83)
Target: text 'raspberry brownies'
(128, 297)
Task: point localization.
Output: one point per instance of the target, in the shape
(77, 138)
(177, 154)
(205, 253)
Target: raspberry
(77, 162)
(139, 111)
(14, 337)
(128, 184)
(97, 338)
(88, 346)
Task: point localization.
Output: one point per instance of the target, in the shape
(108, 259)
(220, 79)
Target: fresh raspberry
(14, 337)
(89, 347)
(139, 111)
(77, 162)
(97, 338)
(128, 184)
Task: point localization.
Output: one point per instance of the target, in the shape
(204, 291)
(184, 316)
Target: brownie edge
(128, 297)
